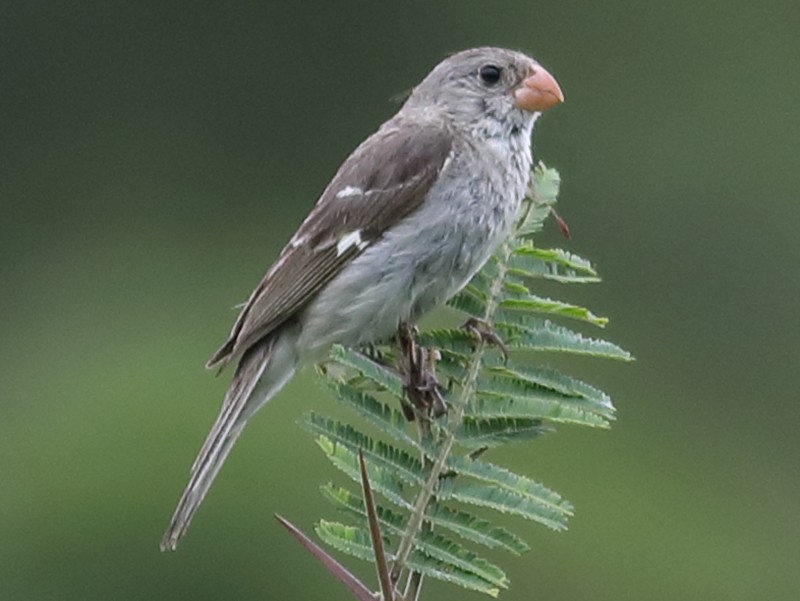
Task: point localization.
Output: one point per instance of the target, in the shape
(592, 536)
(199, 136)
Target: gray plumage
(409, 218)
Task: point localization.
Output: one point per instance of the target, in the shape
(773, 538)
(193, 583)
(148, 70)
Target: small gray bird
(412, 214)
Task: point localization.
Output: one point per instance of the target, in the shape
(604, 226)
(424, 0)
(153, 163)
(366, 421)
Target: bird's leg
(429, 383)
(405, 367)
(482, 330)
(418, 367)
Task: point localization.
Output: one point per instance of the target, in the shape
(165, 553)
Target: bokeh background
(155, 156)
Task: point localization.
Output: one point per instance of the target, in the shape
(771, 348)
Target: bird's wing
(384, 179)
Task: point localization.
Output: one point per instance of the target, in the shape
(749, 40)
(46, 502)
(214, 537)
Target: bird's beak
(538, 92)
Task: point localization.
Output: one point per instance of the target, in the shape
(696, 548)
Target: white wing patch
(348, 240)
(447, 160)
(348, 191)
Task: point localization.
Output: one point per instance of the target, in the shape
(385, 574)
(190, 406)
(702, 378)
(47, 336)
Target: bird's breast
(466, 216)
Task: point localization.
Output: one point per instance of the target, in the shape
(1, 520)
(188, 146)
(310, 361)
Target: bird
(407, 220)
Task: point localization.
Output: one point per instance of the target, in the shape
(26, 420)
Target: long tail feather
(220, 439)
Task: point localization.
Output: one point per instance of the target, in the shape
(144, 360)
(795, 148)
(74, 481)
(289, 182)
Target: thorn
(561, 224)
(342, 574)
(387, 587)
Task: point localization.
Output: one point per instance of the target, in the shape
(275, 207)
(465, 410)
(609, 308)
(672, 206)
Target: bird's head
(500, 85)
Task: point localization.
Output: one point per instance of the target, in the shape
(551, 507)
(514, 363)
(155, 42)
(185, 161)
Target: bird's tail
(262, 372)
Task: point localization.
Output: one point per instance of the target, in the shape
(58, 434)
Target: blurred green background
(154, 158)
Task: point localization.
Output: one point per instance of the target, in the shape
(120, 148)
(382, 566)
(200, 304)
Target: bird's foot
(483, 331)
(417, 365)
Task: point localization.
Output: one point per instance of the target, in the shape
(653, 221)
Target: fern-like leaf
(535, 304)
(379, 374)
(442, 570)
(475, 529)
(449, 552)
(550, 502)
(466, 302)
(493, 400)
(348, 539)
(551, 264)
(388, 420)
(504, 501)
(494, 431)
(573, 392)
(543, 193)
(383, 480)
(528, 333)
(404, 466)
(355, 541)
(460, 522)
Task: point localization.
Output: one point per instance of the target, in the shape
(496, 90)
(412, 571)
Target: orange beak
(538, 92)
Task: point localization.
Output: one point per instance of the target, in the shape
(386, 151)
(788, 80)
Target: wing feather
(382, 181)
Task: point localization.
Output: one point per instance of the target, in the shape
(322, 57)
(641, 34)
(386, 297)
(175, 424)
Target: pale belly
(414, 268)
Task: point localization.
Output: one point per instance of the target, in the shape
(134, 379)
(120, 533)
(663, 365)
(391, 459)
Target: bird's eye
(490, 74)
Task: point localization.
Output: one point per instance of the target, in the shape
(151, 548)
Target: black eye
(490, 74)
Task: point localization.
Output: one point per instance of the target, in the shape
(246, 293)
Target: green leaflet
(350, 540)
(533, 411)
(551, 264)
(404, 466)
(451, 553)
(504, 393)
(479, 287)
(368, 368)
(573, 391)
(494, 431)
(505, 479)
(530, 333)
(462, 523)
(389, 420)
(543, 192)
(536, 304)
(390, 521)
(441, 570)
(513, 288)
(503, 501)
(466, 302)
(356, 542)
(433, 545)
(455, 342)
(384, 481)
(475, 529)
